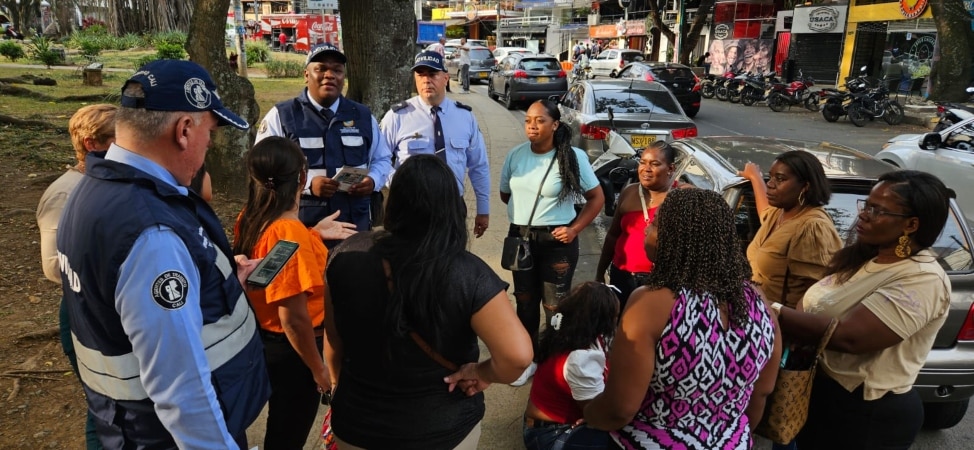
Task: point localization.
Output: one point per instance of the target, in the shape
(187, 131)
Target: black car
(520, 78)
(679, 79)
(481, 60)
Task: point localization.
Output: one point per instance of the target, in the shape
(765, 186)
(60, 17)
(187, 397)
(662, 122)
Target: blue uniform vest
(92, 248)
(347, 140)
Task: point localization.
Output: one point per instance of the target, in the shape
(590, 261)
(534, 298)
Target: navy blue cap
(177, 85)
(430, 59)
(321, 50)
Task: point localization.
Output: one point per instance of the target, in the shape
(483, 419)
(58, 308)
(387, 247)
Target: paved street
(504, 129)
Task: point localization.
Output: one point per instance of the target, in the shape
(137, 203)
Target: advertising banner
(741, 55)
(819, 19)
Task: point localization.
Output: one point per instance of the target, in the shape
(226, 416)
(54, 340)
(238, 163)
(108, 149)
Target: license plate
(542, 79)
(642, 140)
(482, 75)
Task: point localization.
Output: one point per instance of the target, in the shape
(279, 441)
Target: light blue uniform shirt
(167, 342)
(409, 131)
(521, 176)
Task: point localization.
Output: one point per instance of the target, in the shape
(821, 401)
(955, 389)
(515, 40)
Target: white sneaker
(528, 373)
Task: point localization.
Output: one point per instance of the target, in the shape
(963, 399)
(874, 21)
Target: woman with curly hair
(541, 182)
(697, 351)
(571, 370)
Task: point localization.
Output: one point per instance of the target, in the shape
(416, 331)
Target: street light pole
(238, 19)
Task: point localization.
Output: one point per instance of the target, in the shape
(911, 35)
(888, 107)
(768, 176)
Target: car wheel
(857, 115)
(942, 415)
(508, 102)
(490, 90)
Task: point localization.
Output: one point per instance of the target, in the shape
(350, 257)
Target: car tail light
(941, 110)
(966, 332)
(681, 133)
(562, 74)
(649, 77)
(696, 84)
(594, 132)
(622, 63)
(520, 74)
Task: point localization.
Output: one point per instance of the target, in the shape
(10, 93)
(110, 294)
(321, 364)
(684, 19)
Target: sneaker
(528, 373)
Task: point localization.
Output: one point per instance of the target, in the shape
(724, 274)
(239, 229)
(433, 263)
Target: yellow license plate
(483, 75)
(639, 141)
(542, 79)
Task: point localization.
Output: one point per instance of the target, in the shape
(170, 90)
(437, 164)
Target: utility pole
(680, 18)
(497, 28)
(238, 19)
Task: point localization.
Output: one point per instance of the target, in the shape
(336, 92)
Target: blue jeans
(564, 437)
(465, 77)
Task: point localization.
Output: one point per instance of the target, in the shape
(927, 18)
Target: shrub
(169, 51)
(169, 37)
(42, 50)
(129, 41)
(145, 60)
(12, 50)
(90, 47)
(257, 51)
(283, 69)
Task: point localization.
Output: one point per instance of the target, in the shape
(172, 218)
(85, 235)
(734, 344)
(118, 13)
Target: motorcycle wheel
(776, 103)
(894, 113)
(721, 93)
(707, 90)
(830, 113)
(857, 115)
(734, 96)
(813, 102)
(747, 97)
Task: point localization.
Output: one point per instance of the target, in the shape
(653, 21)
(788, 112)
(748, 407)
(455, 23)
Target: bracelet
(776, 307)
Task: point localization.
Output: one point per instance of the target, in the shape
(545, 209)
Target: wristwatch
(776, 307)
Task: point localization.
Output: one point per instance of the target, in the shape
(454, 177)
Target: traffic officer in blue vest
(167, 344)
(334, 133)
(430, 123)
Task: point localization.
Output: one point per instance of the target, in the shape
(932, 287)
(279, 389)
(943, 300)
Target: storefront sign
(602, 31)
(912, 9)
(820, 19)
(635, 28)
(722, 31)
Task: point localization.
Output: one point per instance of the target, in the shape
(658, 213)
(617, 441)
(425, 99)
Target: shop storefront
(815, 45)
(880, 32)
(743, 37)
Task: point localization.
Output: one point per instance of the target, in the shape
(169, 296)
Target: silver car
(948, 154)
(946, 381)
(610, 62)
(481, 61)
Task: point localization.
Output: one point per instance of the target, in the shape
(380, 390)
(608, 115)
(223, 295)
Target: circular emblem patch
(169, 290)
(722, 31)
(197, 94)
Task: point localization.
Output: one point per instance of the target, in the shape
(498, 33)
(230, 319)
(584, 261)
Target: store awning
(455, 22)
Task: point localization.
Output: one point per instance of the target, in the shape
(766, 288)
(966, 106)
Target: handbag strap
(642, 202)
(420, 342)
(826, 337)
(537, 198)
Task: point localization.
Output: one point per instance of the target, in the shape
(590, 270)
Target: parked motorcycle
(722, 83)
(836, 103)
(952, 113)
(795, 93)
(708, 87)
(756, 88)
(735, 86)
(873, 104)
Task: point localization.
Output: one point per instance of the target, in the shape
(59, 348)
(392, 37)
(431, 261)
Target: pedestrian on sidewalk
(464, 66)
(282, 39)
(541, 200)
(440, 48)
(433, 124)
(335, 134)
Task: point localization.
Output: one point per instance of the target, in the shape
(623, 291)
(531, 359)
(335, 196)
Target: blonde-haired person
(92, 129)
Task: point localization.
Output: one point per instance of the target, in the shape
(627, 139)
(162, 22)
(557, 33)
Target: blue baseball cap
(430, 59)
(321, 50)
(177, 85)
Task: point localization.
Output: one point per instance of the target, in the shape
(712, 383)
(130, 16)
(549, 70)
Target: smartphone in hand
(271, 265)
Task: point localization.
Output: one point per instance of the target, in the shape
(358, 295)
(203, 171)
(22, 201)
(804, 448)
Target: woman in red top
(638, 202)
(571, 370)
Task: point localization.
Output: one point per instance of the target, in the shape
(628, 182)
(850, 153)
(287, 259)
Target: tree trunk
(205, 46)
(691, 38)
(379, 61)
(952, 73)
(23, 14)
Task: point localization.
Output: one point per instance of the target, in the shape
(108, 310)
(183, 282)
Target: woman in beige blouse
(797, 237)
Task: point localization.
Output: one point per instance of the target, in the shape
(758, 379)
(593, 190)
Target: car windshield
(480, 53)
(672, 73)
(634, 101)
(540, 64)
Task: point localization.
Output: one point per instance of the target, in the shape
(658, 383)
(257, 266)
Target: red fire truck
(303, 31)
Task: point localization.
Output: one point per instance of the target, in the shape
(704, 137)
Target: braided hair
(698, 250)
(565, 154)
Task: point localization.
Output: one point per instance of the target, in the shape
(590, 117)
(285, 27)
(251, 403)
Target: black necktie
(439, 144)
(327, 114)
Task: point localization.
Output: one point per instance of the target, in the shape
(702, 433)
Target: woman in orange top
(291, 309)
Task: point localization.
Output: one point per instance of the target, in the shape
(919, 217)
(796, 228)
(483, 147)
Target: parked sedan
(679, 79)
(502, 52)
(948, 154)
(518, 78)
(946, 381)
(611, 61)
(481, 60)
(643, 112)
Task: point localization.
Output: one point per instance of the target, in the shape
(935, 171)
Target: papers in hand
(348, 176)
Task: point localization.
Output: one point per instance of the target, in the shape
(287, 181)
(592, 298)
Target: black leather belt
(531, 422)
(538, 229)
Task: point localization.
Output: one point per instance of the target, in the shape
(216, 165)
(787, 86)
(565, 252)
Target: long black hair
(698, 250)
(567, 161)
(425, 230)
(277, 169)
(808, 169)
(923, 196)
(589, 311)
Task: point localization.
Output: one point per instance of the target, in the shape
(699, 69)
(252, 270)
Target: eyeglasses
(873, 212)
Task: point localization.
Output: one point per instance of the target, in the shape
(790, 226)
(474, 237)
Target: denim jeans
(564, 437)
(626, 282)
(465, 77)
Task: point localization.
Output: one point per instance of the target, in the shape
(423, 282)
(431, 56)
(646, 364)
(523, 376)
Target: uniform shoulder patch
(462, 106)
(399, 106)
(263, 127)
(169, 290)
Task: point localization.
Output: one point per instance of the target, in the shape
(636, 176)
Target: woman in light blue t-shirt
(554, 226)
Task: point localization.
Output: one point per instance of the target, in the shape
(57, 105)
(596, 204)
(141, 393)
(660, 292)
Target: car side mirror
(554, 98)
(931, 141)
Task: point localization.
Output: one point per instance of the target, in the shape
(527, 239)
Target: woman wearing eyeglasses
(890, 296)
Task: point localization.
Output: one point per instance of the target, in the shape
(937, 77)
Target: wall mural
(741, 55)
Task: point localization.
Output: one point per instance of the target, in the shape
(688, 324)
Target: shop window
(280, 7)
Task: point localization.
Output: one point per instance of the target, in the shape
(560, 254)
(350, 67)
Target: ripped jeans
(547, 283)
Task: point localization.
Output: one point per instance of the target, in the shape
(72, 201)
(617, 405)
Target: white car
(948, 154)
(502, 52)
(611, 61)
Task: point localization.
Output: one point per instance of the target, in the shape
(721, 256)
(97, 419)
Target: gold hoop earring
(903, 247)
(801, 198)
